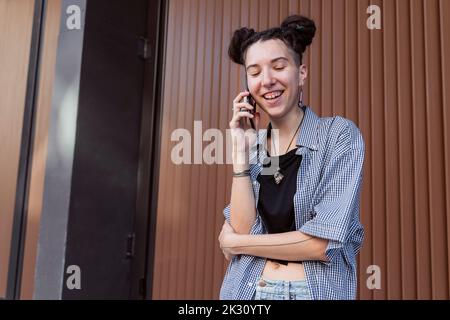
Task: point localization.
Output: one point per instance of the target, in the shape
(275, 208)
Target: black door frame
(150, 147)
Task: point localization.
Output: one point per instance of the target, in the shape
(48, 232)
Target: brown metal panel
(351, 55)
(264, 14)
(213, 106)
(177, 114)
(161, 244)
(183, 224)
(435, 143)
(186, 121)
(253, 12)
(305, 9)
(315, 65)
(284, 9)
(273, 13)
(391, 119)
(406, 178)
(222, 113)
(193, 101)
(390, 82)
(352, 112)
(420, 153)
(378, 127)
(293, 6)
(229, 19)
(204, 80)
(326, 32)
(203, 114)
(337, 75)
(364, 120)
(16, 18)
(207, 174)
(444, 10)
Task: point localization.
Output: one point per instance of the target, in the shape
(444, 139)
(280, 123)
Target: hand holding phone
(249, 99)
(244, 118)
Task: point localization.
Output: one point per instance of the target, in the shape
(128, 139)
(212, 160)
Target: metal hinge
(144, 48)
(142, 287)
(130, 246)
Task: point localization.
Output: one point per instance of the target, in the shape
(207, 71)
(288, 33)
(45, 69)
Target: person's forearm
(289, 246)
(242, 208)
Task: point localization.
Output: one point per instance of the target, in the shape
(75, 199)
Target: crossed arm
(290, 246)
(340, 189)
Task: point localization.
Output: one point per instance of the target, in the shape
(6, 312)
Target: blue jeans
(282, 290)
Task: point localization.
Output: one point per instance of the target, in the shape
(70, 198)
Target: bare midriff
(290, 272)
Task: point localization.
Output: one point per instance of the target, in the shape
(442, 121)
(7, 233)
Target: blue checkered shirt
(326, 205)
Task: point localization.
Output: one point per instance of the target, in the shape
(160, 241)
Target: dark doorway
(108, 234)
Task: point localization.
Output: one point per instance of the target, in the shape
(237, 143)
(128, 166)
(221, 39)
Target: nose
(268, 80)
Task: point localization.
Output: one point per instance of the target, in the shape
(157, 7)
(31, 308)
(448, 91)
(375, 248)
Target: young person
(293, 233)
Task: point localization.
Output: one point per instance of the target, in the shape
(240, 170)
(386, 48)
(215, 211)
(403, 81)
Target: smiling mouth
(273, 95)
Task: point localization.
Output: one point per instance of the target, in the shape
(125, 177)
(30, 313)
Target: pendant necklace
(278, 176)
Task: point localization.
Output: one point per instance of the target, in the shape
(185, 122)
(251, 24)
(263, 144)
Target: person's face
(274, 78)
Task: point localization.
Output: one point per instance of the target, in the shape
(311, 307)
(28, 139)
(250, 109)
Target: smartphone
(249, 99)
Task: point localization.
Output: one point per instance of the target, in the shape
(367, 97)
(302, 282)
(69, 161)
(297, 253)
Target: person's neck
(287, 126)
(289, 123)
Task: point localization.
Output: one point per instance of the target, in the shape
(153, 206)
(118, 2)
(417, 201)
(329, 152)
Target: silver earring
(300, 102)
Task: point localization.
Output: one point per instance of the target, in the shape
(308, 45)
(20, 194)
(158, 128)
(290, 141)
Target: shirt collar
(309, 131)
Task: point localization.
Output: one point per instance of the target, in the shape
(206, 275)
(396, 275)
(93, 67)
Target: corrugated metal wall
(16, 21)
(393, 83)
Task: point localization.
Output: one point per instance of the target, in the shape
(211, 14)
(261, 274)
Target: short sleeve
(336, 213)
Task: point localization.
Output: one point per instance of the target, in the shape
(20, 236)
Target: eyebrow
(271, 61)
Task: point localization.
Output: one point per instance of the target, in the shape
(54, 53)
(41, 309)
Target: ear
(303, 74)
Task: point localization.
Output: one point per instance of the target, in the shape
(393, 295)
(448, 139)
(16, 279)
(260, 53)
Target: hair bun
(301, 30)
(239, 43)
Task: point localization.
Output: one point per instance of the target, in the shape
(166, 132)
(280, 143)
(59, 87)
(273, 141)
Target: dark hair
(297, 32)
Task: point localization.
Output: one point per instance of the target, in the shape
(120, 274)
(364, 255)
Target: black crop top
(276, 201)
